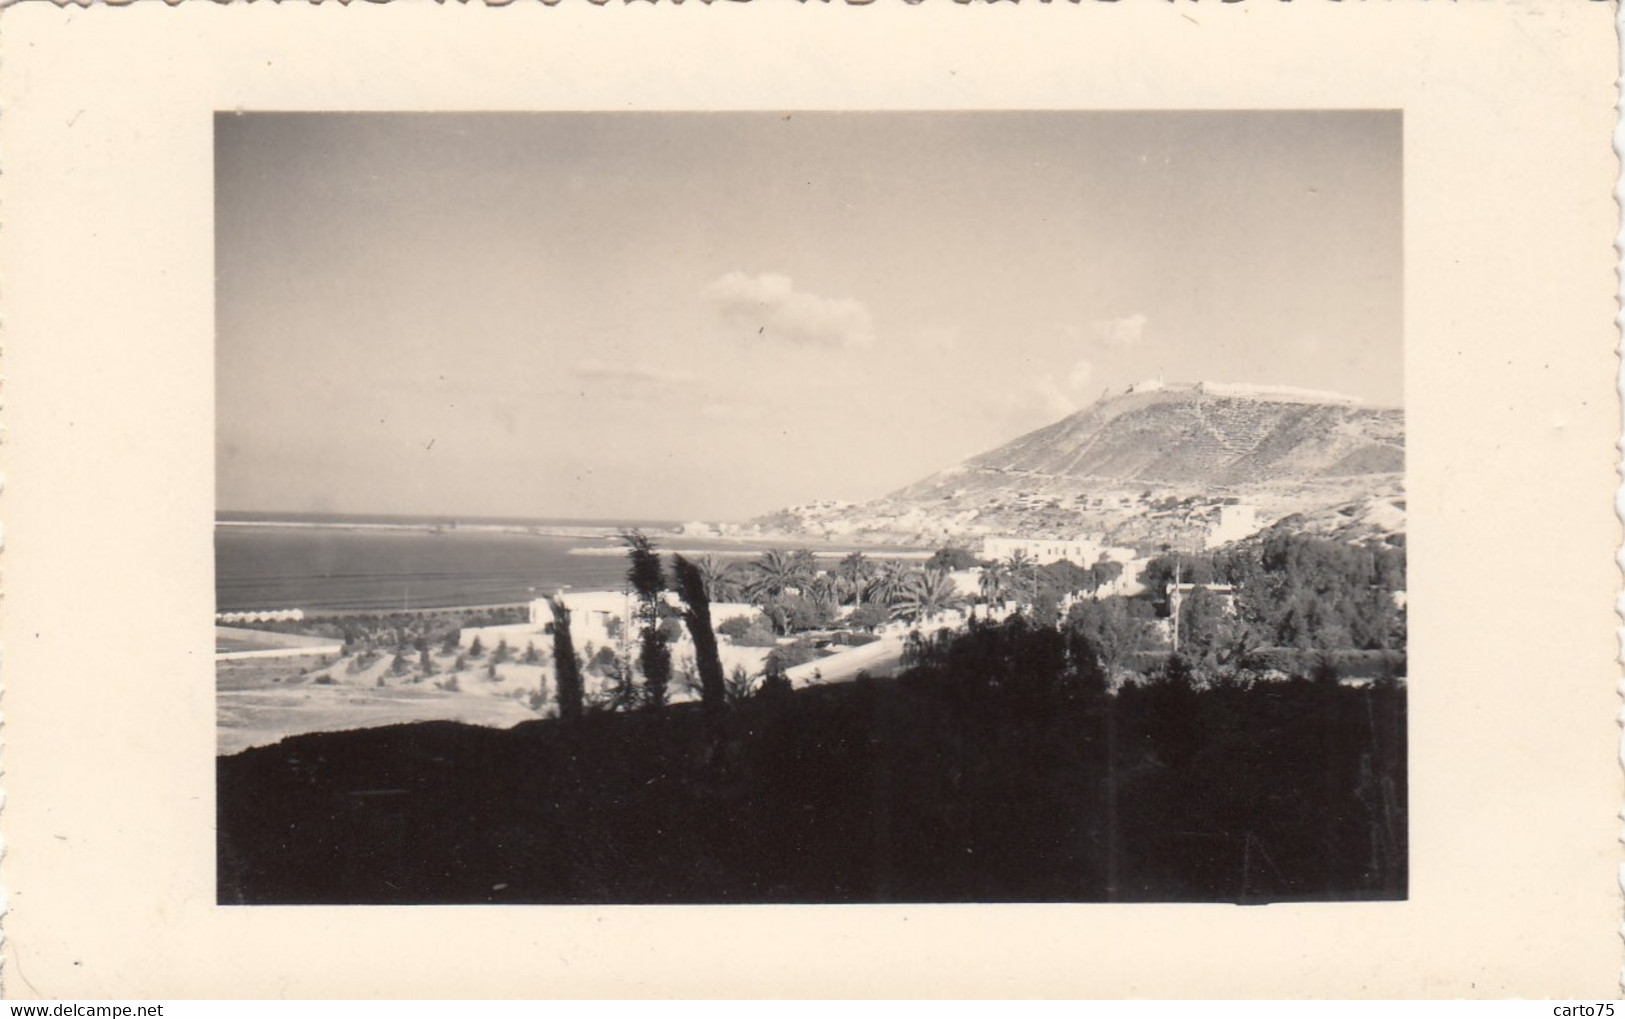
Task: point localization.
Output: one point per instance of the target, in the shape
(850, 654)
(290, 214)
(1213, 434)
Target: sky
(678, 316)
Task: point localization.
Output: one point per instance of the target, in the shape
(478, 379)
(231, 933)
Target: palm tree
(889, 583)
(927, 595)
(805, 561)
(856, 570)
(993, 583)
(777, 572)
(1022, 573)
(823, 589)
(723, 582)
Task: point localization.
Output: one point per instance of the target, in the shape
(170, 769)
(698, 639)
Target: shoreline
(535, 530)
(752, 546)
(316, 615)
(723, 542)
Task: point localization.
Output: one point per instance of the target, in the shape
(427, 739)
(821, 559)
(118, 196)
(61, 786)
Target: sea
(326, 564)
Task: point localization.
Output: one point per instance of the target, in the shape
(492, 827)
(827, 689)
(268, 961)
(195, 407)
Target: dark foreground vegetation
(996, 769)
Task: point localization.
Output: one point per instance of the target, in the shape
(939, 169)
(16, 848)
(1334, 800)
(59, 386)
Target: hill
(1201, 437)
(1148, 465)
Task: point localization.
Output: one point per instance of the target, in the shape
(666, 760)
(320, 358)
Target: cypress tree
(648, 580)
(697, 614)
(568, 670)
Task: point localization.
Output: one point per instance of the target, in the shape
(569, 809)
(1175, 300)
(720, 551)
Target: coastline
(603, 532)
(539, 530)
(750, 546)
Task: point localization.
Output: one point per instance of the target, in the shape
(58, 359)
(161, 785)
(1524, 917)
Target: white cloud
(1126, 331)
(768, 305)
(634, 372)
(1044, 399)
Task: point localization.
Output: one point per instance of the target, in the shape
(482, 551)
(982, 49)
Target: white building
(591, 613)
(1082, 551)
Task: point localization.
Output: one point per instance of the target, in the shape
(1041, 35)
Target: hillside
(1190, 436)
(1145, 466)
(946, 785)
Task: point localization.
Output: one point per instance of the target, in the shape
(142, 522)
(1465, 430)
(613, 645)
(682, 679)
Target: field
(262, 700)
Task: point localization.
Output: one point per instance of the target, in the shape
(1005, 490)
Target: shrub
(951, 559)
(848, 639)
(803, 613)
(476, 649)
(739, 685)
(748, 631)
(605, 663)
(867, 616)
(1325, 665)
(1146, 662)
(791, 655)
(775, 684)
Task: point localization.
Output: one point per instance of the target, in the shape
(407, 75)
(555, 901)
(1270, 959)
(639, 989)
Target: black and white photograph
(769, 501)
(810, 507)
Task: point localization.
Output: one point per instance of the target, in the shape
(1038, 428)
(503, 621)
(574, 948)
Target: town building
(1081, 551)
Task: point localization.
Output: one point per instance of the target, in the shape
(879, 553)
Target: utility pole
(1175, 599)
(626, 626)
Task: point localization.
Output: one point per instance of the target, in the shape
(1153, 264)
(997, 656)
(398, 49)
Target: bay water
(385, 564)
